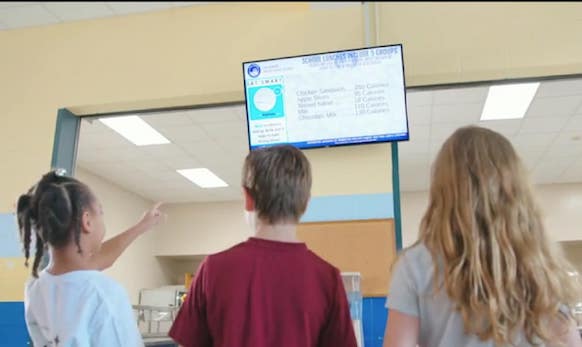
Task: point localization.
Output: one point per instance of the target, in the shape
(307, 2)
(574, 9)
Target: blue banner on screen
(330, 99)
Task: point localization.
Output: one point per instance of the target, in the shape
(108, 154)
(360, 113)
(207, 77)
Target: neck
(67, 259)
(277, 232)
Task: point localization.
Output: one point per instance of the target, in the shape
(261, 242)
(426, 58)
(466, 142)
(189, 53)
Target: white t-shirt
(78, 309)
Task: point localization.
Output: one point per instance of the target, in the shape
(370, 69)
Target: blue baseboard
(12, 325)
(374, 319)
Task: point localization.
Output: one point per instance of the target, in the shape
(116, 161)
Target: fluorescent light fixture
(135, 130)
(509, 101)
(203, 178)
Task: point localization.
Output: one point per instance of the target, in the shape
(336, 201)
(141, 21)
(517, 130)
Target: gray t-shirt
(412, 293)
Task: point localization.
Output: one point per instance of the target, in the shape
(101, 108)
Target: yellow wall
(351, 170)
(13, 269)
(447, 42)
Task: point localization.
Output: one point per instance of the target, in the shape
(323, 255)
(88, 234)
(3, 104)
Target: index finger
(158, 205)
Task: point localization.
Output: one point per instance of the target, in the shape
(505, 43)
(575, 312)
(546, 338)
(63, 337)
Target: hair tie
(60, 172)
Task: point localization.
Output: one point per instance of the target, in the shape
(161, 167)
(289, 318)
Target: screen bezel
(407, 138)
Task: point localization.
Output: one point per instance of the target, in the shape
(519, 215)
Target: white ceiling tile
(225, 129)
(3, 26)
(4, 4)
(102, 140)
(332, 5)
(533, 142)
(91, 125)
(419, 115)
(413, 147)
(509, 127)
(554, 106)
(131, 155)
(184, 162)
(418, 98)
(209, 154)
(468, 95)
(550, 170)
(237, 146)
(530, 159)
(414, 176)
(167, 119)
(440, 132)
(570, 138)
(574, 173)
(183, 134)
(562, 87)
(565, 145)
(463, 114)
(159, 152)
(26, 16)
(126, 7)
(543, 124)
(574, 124)
(419, 133)
(192, 3)
(217, 114)
(71, 11)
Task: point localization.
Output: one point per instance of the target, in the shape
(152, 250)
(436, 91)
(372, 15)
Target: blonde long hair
(498, 266)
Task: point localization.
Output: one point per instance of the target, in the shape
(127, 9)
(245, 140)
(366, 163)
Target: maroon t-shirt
(264, 293)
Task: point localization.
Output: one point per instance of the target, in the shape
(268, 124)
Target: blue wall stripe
(9, 240)
(349, 207)
(13, 330)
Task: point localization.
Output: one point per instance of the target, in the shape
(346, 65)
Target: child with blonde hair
(483, 272)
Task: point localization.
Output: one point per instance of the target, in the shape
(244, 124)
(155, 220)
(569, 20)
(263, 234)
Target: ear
(86, 222)
(249, 201)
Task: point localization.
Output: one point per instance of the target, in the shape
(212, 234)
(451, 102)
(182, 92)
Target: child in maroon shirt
(270, 291)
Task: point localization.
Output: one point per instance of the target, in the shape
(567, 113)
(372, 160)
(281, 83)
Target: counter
(159, 342)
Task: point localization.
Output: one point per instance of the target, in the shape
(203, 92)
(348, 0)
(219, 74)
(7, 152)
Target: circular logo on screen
(254, 70)
(265, 99)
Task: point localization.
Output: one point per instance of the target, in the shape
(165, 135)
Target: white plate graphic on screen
(265, 99)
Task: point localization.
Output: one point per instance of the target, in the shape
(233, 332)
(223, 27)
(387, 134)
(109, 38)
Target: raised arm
(114, 247)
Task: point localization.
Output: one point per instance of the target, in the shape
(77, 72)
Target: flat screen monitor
(329, 99)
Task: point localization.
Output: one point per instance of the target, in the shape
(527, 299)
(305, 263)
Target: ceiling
(19, 14)
(215, 138)
(545, 138)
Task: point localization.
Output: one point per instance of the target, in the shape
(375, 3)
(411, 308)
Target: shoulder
(320, 263)
(416, 256)
(111, 296)
(414, 266)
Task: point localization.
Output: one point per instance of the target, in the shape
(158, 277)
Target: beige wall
(561, 205)
(201, 228)
(137, 267)
(573, 251)
(447, 42)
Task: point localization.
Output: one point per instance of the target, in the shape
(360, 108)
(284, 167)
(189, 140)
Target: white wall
(561, 205)
(201, 228)
(137, 268)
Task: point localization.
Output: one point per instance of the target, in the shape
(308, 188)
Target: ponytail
(52, 211)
